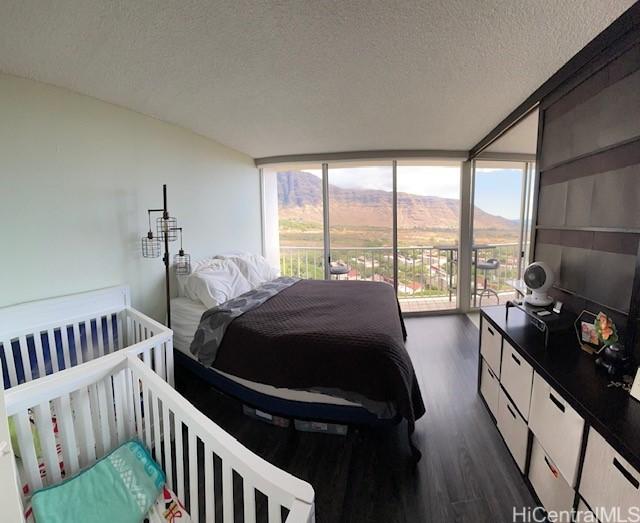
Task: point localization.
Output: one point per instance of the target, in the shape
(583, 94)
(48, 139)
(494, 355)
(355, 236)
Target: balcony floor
(442, 303)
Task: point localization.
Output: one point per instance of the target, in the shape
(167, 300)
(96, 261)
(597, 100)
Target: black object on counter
(614, 359)
(548, 324)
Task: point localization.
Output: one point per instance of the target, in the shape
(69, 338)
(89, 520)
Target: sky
(498, 191)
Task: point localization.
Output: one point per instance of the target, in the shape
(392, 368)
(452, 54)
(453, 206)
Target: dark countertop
(572, 372)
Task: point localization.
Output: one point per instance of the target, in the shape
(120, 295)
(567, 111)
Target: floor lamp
(166, 231)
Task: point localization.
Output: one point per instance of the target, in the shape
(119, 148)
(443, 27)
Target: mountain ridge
(300, 199)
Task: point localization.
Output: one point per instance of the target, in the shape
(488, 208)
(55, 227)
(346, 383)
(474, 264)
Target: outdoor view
(499, 192)
(361, 227)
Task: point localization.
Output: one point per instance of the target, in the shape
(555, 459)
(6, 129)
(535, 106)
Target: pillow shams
(253, 267)
(214, 281)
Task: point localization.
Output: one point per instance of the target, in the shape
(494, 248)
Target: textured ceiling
(305, 76)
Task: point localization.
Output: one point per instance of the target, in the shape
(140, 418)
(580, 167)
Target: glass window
(497, 226)
(361, 222)
(428, 235)
(294, 237)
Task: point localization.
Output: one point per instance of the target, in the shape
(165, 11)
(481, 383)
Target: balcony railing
(423, 271)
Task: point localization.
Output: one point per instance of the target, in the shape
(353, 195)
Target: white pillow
(215, 281)
(254, 268)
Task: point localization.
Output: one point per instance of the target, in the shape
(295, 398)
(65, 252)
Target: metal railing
(423, 271)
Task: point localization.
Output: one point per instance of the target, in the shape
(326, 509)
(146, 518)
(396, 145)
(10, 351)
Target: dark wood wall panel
(609, 117)
(606, 241)
(579, 303)
(610, 199)
(594, 264)
(588, 212)
(620, 36)
(611, 159)
(620, 67)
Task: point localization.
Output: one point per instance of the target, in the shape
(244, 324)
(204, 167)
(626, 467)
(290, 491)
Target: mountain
(300, 199)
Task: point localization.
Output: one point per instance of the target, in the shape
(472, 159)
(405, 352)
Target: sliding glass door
(501, 229)
(428, 196)
(392, 222)
(360, 219)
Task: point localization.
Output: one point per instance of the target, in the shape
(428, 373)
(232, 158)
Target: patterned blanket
(122, 486)
(214, 322)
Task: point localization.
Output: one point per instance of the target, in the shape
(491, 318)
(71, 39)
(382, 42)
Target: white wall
(76, 178)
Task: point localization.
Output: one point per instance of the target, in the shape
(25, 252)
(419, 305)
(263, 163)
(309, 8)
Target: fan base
(538, 299)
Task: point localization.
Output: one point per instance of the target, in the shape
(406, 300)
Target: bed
(306, 349)
(186, 315)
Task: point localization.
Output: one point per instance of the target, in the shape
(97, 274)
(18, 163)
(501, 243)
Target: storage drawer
(516, 376)
(608, 481)
(583, 514)
(490, 388)
(513, 429)
(491, 346)
(548, 482)
(557, 427)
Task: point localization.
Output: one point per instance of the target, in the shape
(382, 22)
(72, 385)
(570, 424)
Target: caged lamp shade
(182, 263)
(167, 225)
(150, 246)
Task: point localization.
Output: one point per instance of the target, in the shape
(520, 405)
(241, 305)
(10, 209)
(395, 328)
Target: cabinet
(608, 480)
(513, 429)
(490, 388)
(516, 378)
(583, 514)
(491, 346)
(550, 485)
(540, 407)
(557, 427)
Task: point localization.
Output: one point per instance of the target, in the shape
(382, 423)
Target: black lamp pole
(166, 226)
(164, 229)
(165, 216)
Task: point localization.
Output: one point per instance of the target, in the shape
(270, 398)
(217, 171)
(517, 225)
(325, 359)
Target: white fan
(538, 277)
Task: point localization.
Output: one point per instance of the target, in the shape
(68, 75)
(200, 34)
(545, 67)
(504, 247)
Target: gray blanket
(215, 321)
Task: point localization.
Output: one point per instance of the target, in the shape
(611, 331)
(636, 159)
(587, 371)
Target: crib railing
(37, 351)
(158, 353)
(198, 457)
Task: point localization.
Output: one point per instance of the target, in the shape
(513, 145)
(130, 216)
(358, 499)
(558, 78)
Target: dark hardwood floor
(466, 472)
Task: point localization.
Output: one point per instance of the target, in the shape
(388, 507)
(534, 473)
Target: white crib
(187, 444)
(43, 337)
(97, 368)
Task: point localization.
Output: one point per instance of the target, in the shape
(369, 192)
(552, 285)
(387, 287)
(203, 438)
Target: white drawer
(557, 427)
(490, 388)
(513, 429)
(516, 376)
(583, 514)
(608, 480)
(491, 346)
(548, 482)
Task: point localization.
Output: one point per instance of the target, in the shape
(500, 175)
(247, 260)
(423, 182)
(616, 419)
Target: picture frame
(586, 333)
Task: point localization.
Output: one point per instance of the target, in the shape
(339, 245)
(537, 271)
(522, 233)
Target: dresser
(575, 440)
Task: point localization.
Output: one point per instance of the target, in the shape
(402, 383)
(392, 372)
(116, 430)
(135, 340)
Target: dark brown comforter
(345, 335)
